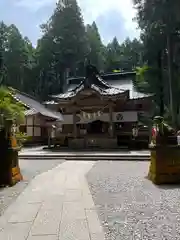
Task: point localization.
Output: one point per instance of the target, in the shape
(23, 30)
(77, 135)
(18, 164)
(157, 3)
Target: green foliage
(21, 138)
(159, 22)
(95, 46)
(141, 81)
(125, 56)
(62, 49)
(9, 108)
(61, 52)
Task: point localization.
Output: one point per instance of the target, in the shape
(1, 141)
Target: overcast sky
(113, 17)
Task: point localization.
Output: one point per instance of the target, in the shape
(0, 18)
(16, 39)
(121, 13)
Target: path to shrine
(86, 200)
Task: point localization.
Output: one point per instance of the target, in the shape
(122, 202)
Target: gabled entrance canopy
(93, 84)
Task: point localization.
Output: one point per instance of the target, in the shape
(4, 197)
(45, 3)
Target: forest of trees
(159, 21)
(65, 44)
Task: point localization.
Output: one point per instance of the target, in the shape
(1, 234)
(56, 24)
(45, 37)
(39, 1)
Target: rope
(93, 115)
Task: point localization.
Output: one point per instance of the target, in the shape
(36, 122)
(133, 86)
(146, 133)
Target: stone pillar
(74, 125)
(111, 124)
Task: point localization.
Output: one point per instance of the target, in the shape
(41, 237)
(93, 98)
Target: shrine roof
(112, 84)
(98, 84)
(30, 112)
(105, 77)
(122, 86)
(110, 91)
(127, 84)
(35, 107)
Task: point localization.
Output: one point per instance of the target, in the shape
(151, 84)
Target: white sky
(92, 10)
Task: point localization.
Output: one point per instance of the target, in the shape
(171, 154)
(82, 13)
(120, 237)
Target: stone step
(85, 157)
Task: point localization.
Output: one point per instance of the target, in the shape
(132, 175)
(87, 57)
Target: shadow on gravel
(165, 186)
(66, 149)
(168, 186)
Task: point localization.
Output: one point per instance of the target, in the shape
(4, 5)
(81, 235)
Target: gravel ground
(29, 169)
(130, 206)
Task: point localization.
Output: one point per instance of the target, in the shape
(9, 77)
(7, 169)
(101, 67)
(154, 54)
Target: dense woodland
(66, 42)
(159, 21)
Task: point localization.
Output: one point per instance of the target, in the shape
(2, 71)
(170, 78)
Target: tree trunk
(161, 89)
(170, 70)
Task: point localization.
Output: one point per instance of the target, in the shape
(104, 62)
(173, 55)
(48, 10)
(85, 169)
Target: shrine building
(100, 111)
(38, 119)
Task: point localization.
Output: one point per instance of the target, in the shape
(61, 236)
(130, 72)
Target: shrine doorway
(97, 127)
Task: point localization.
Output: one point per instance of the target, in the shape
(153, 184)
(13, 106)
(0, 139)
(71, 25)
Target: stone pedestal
(15, 170)
(9, 166)
(165, 164)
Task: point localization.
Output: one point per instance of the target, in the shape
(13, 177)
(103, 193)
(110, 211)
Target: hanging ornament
(91, 116)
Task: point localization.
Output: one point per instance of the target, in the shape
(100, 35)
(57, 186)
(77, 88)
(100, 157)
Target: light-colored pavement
(102, 200)
(30, 169)
(56, 205)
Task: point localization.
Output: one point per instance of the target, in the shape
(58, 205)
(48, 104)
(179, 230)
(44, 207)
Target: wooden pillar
(111, 124)
(49, 136)
(33, 126)
(74, 125)
(26, 124)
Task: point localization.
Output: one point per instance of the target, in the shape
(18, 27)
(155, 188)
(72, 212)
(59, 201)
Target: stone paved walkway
(29, 169)
(103, 200)
(56, 205)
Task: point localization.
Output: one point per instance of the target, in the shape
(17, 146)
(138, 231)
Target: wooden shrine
(98, 114)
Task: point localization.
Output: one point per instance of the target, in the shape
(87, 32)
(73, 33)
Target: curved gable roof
(97, 84)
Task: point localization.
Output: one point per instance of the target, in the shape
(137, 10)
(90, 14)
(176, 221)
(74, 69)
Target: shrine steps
(90, 156)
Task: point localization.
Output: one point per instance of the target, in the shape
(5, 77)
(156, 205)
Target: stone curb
(87, 157)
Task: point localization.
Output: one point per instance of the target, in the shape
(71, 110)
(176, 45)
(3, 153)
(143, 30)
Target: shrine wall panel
(117, 117)
(90, 102)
